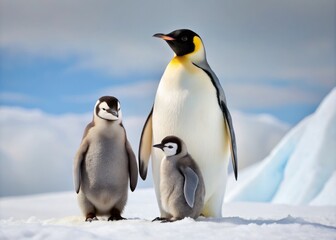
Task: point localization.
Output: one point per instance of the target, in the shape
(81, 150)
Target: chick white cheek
(106, 115)
(170, 150)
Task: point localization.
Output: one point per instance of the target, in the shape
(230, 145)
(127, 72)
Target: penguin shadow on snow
(283, 221)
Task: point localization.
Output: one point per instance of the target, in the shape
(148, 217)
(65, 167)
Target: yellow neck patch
(178, 60)
(186, 58)
(198, 43)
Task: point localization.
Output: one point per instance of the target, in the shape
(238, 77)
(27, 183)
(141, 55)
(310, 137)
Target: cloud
(37, 149)
(264, 52)
(291, 39)
(252, 47)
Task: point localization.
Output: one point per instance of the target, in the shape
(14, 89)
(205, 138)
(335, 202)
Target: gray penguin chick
(181, 184)
(103, 163)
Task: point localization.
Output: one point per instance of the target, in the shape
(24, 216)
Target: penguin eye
(104, 109)
(170, 146)
(184, 38)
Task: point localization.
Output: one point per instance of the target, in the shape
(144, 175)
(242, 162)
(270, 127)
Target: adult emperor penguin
(190, 104)
(181, 182)
(104, 162)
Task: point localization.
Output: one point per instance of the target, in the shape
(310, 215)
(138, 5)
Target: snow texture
(57, 216)
(302, 167)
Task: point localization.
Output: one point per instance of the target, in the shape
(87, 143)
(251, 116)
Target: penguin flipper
(190, 185)
(78, 164)
(132, 166)
(226, 114)
(233, 145)
(145, 146)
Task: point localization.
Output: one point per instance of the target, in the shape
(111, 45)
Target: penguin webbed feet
(116, 218)
(91, 217)
(165, 220)
(115, 215)
(158, 219)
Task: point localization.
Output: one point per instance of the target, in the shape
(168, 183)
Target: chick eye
(170, 147)
(104, 109)
(184, 38)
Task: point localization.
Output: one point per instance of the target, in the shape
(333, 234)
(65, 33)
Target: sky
(275, 57)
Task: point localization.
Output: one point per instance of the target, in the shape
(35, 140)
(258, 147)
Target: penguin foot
(159, 219)
(168, 220)
(116, 218)
(91, 217)
(115, 215)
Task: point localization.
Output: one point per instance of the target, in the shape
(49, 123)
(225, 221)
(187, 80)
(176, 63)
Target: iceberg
(300, 169)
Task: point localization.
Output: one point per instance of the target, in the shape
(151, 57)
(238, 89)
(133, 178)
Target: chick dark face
(181, 41)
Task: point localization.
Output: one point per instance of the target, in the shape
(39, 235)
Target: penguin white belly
(186, 106)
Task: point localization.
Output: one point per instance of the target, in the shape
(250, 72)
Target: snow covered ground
(57, 216)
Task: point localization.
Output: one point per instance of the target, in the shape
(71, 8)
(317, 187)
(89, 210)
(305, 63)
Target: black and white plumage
(104, 163)
(181, 184)
(190, 103)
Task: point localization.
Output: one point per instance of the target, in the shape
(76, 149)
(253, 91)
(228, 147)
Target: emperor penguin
(190, 104)
(104, 163)
(181, 184)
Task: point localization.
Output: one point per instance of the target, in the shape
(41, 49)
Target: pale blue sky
(58, 57)
(275, 57)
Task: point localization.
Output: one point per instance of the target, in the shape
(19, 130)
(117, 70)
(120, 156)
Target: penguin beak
(164, 37)
(114, 113)
(158, 146)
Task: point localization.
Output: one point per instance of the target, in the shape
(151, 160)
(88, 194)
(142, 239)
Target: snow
(301, 169)
(57, 216)
(328, 193)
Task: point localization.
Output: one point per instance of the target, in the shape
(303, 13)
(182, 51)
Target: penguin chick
(104, 162)
(181, 184)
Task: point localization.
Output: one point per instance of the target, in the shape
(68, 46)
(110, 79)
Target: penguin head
(108, 108)
(184, 42)
(171, 146)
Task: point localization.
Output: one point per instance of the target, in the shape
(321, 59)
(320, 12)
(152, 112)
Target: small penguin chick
(104, 163)
(181, 184)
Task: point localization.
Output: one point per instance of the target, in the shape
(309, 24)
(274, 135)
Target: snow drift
(302, 167)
